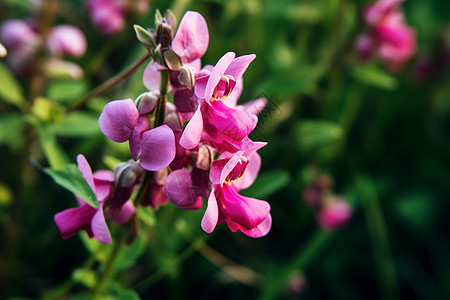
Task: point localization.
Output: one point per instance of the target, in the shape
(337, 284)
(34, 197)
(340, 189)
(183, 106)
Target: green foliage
(10, 89)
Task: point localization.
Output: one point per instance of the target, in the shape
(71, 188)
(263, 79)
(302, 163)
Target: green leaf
(71, 179)
(56, 156)
(66, 90)
(129, 255)
(374, 76)
(267, 184)
(77, 124)
(10, 90)
(147, 216)
(11, 130)
(85, 277)
(312, 134)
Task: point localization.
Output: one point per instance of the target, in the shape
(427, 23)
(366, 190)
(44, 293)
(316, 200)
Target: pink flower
(388, 37)
(335, 214)
(66, 40)
(229, 174)
(120, 121)
(224, 128)
(107, 15)
(88, 218)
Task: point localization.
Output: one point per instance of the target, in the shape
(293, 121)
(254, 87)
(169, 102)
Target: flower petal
(99, 227)
(217, 73)
(193, 132)
(86, 171)
(238, 66)
(261, 230)
(151, 77)
(180, 190)
(118, 120)
(250, 174)
(211, 216)
(124, 213)
(71, 220)
(157, 148)
(142, 126)
(233, 98)
(192, 37)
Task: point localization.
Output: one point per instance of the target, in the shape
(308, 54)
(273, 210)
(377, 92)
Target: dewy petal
(180, 190)
(211, 216)
(250, 174)
(124, 213)
(118, 120)
(151, 77)
(142, 126)
(192, 37)
(99, 227)
(238, 66)
(86, 171)
(217, 73)
(193, 131)
(71, 220)
(157, 148)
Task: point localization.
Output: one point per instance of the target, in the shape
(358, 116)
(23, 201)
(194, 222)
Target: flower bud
(146, 102)
(334, 214)
(3, 51)
(205, 157)
(171, 19)
(164, 34)
(187, 76)
(144, 36)
(172, 60)
(127, 174)
(173, 121)
(56, 68)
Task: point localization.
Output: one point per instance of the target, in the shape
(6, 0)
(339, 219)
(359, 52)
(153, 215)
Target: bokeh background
(382, 137)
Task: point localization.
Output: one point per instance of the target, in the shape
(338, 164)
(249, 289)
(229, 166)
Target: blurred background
(367, 135)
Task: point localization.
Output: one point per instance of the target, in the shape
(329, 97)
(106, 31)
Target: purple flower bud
(187, 76)
(66, 40)
(146, 102)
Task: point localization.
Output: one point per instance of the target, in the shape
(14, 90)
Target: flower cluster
(388, 37)
(211, 157)
(23, 40)
(332, 212)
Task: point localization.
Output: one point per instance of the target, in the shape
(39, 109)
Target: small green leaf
(72, 179)
(374, 76)
(77, 124)
(312, 134)
(10, 90)
(56, 156)
(84, 276)
(267, 184)
(11, 130)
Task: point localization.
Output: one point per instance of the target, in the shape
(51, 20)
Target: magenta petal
(86, 171)
(71, 220)
(157, 148)
(200, 86)
(211, 216)
(118, 120)
(180, 190)
(124, 213)
(229, 166)
(217, 73)
(99, 227)
(142, 126)
(192, 37)
(193, 131)
(254, 107)
(261, 230)
(232, 99)
(151, 77)
(238, 66)
(250, 174)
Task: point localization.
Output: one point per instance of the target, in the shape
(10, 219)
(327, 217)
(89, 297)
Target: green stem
(384, 261)
(300, 261)
(111, 82)
(161, 105)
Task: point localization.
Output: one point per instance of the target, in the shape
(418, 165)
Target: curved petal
(217, 73)
(192, 37)
(118, 120)
(124, 213)
(142, 126)
(250, 174)
(99, 227)
(151, 77)
(180, 190)
(86, 171)
(233, 98)
(193, 132)
(211, 216)
(157, 148)
(229, 166)
(200, 86)
(71, 220)
(254, 107)
(238, 66)
(261, 230)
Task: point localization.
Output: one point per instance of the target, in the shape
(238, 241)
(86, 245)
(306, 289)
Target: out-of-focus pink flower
(107, 15)
(388, 36)
(120, 121)
(229, 174)
(211, 121)
(66, 40)
(88, 218)
(335, 214)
